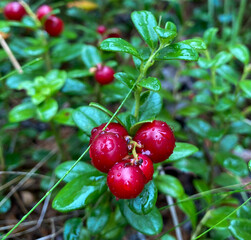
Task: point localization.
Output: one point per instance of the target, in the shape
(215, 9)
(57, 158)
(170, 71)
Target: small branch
(11, 56)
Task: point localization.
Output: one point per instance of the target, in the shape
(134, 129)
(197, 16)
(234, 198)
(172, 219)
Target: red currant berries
(112, 127)
(54, 26)
(146, 166)
(43, 11)
(14, 11)
(101, 29)
(157, 140)
(107, 149)
(125, 181)
(104, 74)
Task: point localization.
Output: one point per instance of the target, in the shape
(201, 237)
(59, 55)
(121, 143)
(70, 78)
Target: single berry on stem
(53, 26)
(125, 180)
(157, 140)
(104, 74)
(43, 11)
(107, 149)
(14, 11)
(112, 127)
(101, 29)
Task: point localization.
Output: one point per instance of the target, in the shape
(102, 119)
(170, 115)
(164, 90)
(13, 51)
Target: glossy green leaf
(76, 87)
(221, 58)
(145, 202)
(90, 56)
(55, 80)
(98, 219)
(178, 51)
(246, 87)
(79, 192)
(22, 112)
(240, 229)
(169, 185)
(210, 35)
(149, 224)
(82, 168)
(244, 212)
(150, 83)
(86, 118)
(64, 116)
(228, 142)
(241, 52)
(79, 73)
(196, 43)
(47, 110)
(145, 23)
(72, 229)
(166, 36)
(228, 73)
(119, 45)
(170, 26)
(125, 78)
(182, 150)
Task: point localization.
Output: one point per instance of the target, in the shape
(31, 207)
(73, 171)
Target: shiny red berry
(112, 127)
(125, 181)
(101, 29)
(42, 11)
(146, 166)
(106, 150)
(157, 140)
(104, 74)
(54, 26)
(113, 35)
(14, 11)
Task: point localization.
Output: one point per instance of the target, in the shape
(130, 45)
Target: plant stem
(200, 225)
(137, 101)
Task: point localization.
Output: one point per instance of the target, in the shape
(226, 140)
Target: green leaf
(151, 106)
(86, 118)
(167, 237)
(150, 83)
(166, 36)
(196, 73)
(145, 202)
(241, 52)
(226, 180)
(244, 212)
(90, 56)
(72, 229)
(47, 110)
(76, 87)
(196, 43)
(149, 224)
(233, 163)
(81, 169)
(209, 35)
(134, 128)
(221, 58)
(169, 185)
(182, 150)
(22, 112)
(240, 229)
(216, 215)
(55, 80)
(246, 87)
(145, 22)
(119, 45)
(98, 219)
(228, 142)
(125, 78)
(64, 116)
(178, 51)
(203, 188)
(79, 192)
(228, 73)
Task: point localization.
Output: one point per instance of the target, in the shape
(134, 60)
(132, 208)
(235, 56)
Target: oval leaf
(246, 87)
(90, 56)
(240, 228)
(241, 52)
(47, 110)
(196, 43)
(22, 112)
(151, 83)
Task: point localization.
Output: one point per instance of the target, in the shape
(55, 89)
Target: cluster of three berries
(128, 173)
(52, 25)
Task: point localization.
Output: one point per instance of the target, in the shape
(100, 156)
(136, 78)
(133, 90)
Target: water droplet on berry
(119, 174)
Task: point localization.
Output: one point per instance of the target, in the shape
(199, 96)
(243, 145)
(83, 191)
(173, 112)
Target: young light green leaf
(47, 110)
(178, 51)
(119, 45)
(90, 56)
(145, 22)
(241, 52)
(64, 116)
(246, 87)
(72, 229)
(170, 26)
(21, 112)
(79, 192)
(196, 43)
(210, 35)
(165, 36)
(150, 83)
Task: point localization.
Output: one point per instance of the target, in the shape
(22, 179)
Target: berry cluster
(129, 161)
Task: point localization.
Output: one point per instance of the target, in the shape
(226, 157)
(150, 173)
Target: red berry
(107, 149)
(146, 167)
(125, 181)
(113, 35)
(54, 26)
(104, 74)
(101, 29)
(112, 127)
(14, 11)
(157, 140)
(42, 11)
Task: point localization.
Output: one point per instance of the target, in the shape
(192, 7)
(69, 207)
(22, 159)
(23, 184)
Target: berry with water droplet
(107, 149)
(120, 182)
(157, 140)
(14, 11)
(146, 166)
(104, 74)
